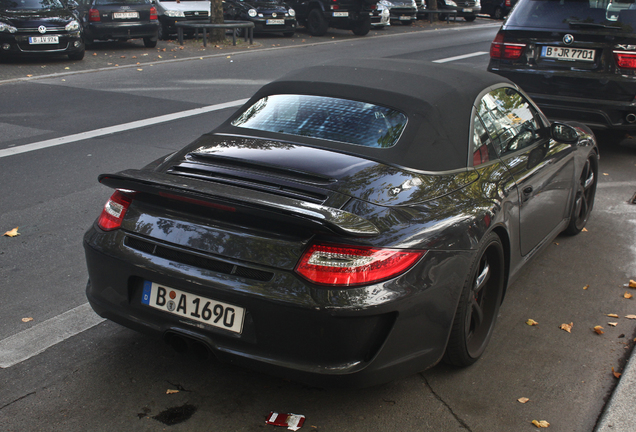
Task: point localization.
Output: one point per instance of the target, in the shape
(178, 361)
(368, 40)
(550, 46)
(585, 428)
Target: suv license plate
(125, 15)
(275, 22)
(194, 307)
(341, 14)
(405, 18)
(467, 10)
(36, 40)
(570, 54)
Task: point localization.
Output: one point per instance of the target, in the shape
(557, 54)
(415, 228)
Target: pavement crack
(461, 422)
(17, 400)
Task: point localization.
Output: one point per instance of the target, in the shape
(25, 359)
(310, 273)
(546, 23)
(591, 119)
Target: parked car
(404, 11)
(172, 11)
(467, 9)
(380, 17)
(497, 9)
(319, 15)
(268, 16)
(40, 27)
(119, 19)
(576, 59)
(337, 232)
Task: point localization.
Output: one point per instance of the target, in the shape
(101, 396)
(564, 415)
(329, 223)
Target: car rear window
(121, 2)
(575, 14)
(30, 4)
(327, 118)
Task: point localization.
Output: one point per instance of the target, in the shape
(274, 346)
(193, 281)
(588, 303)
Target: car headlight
(72, 26)
(174, 14)
(252, 12)
(291, 12)
(7, 28)
(450, 3)
(478, 3)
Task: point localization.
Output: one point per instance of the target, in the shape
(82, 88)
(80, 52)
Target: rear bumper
(106, 31)
(325, 337)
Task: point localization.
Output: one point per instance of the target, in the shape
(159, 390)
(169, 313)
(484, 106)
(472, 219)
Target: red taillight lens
(625, 59)
(508, 3)
(153, 14)
(327, 264)
(93, 15)
(503, 50)
(114, 211)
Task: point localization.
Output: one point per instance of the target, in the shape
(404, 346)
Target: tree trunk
(217, 35)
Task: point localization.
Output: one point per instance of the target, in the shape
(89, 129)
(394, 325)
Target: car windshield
(30, 4)
(333, 119)
(568, 14)
(120, 2)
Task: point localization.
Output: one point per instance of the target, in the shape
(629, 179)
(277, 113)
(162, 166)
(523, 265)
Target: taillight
(114, 210)
(153, 14)
(625, 59)
(508, 3)
(328, 264)
(504, 50)
(93, 15)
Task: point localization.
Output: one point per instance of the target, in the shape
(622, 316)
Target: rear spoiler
(340, 221)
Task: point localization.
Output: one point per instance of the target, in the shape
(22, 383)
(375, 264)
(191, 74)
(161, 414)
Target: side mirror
(564, 133)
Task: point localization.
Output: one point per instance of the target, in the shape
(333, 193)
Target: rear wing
(155, 183)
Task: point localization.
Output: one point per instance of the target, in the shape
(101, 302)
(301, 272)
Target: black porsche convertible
(337, 232)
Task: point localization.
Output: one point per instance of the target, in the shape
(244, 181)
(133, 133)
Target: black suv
(319, 15)
(577, 59)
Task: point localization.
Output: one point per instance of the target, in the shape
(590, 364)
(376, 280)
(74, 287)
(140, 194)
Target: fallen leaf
(541, 423)
(140, 70)
(94, 54)
(29, 76)
(627, 295)
(532, 322)
(170, 391)
(605, 174)
(67, 68)
(567, 327)
(228, 56)
(598, 330)
(616, 374)
(613, 324)
(136, 57)
(13, 233)
(122, 56)
(27, 319)
(612, 315)
(556, 243)
(584, 230)
(632, 283)
(523, 399)
(586, 287)
(630, 316)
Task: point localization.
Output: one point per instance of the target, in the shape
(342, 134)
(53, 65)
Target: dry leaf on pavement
(541, 423)
(616, 374)
(632, 283)
(586, 287)
(627, 295)
(523, 399)
(13, 233)
(613, 324)
(532, 322)
(598, 330)
(27, 319)
(567, 327)
(612, 315)
(170, 391)
(630, 316)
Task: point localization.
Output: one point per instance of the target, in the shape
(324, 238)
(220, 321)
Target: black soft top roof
(437, 100)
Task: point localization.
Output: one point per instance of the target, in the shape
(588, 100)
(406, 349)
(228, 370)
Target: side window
(511, 122)
(481, 149)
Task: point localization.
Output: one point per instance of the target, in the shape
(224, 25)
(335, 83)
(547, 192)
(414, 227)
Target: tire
(363, 27)
(478, 305)
(584, 196)
(317, 25)
(150, 42)
(498, 14)
(162, 32)
(289, 34)
(470, 18)
(77, 55)
(406, 23)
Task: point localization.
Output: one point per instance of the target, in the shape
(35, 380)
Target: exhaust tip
(177, 343)
(630, 118)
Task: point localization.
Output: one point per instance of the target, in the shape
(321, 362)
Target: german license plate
(125, 15)
(341, 14)
(194, 307)
(467, 10)
(405, 18)
(36, 40)
(275, 22)
(570, 54)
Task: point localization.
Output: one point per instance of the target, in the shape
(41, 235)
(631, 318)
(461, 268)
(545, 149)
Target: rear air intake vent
(196, 260)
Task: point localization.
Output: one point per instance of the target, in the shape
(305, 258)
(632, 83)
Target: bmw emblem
(568, 39)
(274, 15)
(42, 29)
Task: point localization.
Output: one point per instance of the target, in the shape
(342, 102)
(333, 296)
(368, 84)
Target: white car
(172, 11)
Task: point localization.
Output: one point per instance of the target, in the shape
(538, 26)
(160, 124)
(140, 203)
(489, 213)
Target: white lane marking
(460, 57)
(118, 128)
(28, 343)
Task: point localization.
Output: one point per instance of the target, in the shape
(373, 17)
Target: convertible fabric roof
(437, 100)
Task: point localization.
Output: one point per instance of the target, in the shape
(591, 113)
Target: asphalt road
(60, 128)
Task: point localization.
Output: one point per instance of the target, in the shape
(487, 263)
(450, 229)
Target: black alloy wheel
(362, 27)
(316, 23)
(470, 18)
(584, 198)
(79, 55)
(478, 305)
(150, 42)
